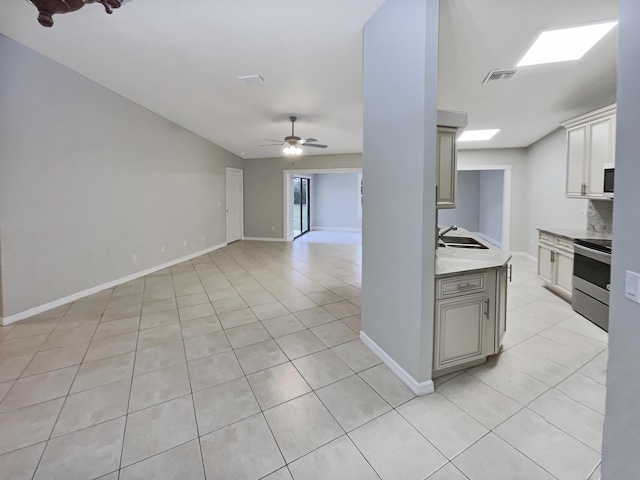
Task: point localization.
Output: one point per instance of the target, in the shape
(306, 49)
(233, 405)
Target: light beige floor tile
(183, 462)
(159, 386)
(102, 372)
(55, 359)
(347, 292)
(12, 367)
(356, 355)
(90, 407)
(159, 305)
(196, 311)
(322, 368)
(193, 299)
(352, 402)
(21, 464)
(445, 425)
(314, 317)
(342, 309)
(596, 369)
(231, 304)
(571, 417)
(297, 303)
(325, 297)
(87, 453)
(29, 425)
(558, 453)
(302, 425)
(117, 327)
(448, 472)
(152, 337)
(260, 356)
(597, 473)
(223, 404)
(276, 385)
(162, 356)
(578, 324)
(334, 333)
(4, 388)
(237, 318)
(27, 328)
(206, 345)
(269, 310)
(158, 428)
(158, 294)
(387, 385)
(22, 346)
(283, 474)
(216, 293)
(354, 323)
(338, 460)
(157, 319)
(111, 346)
(134, 298)
(247, 335)
(124, 311)
(299, 344)
(395, 449)
(39, 388)
(249, 438)
(64, 337)
(585, 391)
(492, 458)
(200, 326)
(570, 357)
(210, 371)
(485, 404)
(284, 325)
(255, 299)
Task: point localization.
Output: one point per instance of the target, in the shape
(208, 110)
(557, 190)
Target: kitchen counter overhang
(452, 260)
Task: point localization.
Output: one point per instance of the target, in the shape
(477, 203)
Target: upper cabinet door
(576, 155)
(602, 135)
(446, 168)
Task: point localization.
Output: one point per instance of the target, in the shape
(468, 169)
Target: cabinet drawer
(564, 244)
(546, 238)
(462, 285)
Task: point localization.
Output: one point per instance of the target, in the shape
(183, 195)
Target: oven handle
(592, 254)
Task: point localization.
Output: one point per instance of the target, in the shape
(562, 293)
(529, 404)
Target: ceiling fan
(294, 143)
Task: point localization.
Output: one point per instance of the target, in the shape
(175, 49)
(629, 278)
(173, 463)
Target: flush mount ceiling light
(475, 135)
(565, 44)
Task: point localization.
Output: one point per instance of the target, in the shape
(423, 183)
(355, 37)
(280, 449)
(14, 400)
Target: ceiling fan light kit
(294, 143)
(47, 8)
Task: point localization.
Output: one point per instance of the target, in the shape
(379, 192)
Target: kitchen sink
(462, 242)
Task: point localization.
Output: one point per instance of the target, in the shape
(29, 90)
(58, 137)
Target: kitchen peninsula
(470, 303)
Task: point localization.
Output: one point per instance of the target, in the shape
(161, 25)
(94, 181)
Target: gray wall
(491, 204)
(88, 178)
(467, 211)
(546, 175)
(334, 202)
(400, 108)
(517, 158)
(264, 188)
(620, 459)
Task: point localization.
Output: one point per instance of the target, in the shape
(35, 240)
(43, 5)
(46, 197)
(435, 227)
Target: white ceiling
(182, 62)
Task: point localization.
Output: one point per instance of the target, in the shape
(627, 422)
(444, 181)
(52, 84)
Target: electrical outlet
(162, 249)
(185, 243)
(134, 257)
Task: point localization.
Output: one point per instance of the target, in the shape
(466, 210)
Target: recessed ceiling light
(565, 44)
(475, 135)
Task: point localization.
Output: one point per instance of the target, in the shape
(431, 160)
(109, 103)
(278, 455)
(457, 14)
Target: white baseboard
(263, 239)
(419, 388)
(336, 229)
(85, 293)
(525, 255)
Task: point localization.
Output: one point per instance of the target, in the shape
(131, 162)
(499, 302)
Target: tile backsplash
(600, 216)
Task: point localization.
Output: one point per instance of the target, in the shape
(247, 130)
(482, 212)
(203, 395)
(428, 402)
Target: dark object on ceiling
(293, 142)
(47, 8)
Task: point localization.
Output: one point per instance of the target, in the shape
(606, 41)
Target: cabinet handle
(486, 304)
(510, 273)
(466, 285)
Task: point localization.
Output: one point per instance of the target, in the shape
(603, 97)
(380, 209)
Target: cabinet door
(459, 330)
(545, 263)
(601, 150)
(501, 307)
(564, 272)
(446, 168)
(576, 159)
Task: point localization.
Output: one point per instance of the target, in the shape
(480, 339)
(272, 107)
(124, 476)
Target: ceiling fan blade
(315, 145)
(272, 140)
(305, 140)
(272, 145)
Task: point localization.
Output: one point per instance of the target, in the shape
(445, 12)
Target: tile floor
(246, 364)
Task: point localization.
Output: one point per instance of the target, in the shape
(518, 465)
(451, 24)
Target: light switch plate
(632, 286)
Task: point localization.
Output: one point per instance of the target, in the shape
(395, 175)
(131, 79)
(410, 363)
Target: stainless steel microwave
(609, 170)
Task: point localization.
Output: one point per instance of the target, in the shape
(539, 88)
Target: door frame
(241, 209)
(309, 178)
(288, 193)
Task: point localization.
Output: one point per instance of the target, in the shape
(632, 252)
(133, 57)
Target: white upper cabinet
(446, 168)
(590, 144)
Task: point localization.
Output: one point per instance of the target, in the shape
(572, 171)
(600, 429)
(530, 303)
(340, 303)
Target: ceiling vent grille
(495, 75)
(252, 79)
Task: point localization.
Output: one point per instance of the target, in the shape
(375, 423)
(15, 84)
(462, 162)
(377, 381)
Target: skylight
(565, 44)
(475, 135)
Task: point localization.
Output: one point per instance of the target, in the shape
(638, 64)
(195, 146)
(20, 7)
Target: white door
(235, 216)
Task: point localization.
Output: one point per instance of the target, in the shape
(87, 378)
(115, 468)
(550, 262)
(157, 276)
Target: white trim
(263, 239)
(226, 198)
(85, 293)
(525, 255)
(336, 229)
(419, 388)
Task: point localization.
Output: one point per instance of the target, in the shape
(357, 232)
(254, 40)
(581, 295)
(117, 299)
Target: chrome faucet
(446, 230)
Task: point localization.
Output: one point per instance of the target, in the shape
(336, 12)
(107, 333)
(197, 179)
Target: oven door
(592, 272)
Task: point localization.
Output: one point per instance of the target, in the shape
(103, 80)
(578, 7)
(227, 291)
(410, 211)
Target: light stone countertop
(450, 260)
(573, 233)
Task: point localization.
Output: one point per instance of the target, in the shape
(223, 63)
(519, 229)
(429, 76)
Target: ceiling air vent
(495, 75)
(251, 79)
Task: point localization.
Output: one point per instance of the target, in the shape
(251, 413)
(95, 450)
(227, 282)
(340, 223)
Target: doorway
(235, 214)
(301, 206)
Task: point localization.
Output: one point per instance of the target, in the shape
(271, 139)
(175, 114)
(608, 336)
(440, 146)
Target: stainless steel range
(591, 280)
